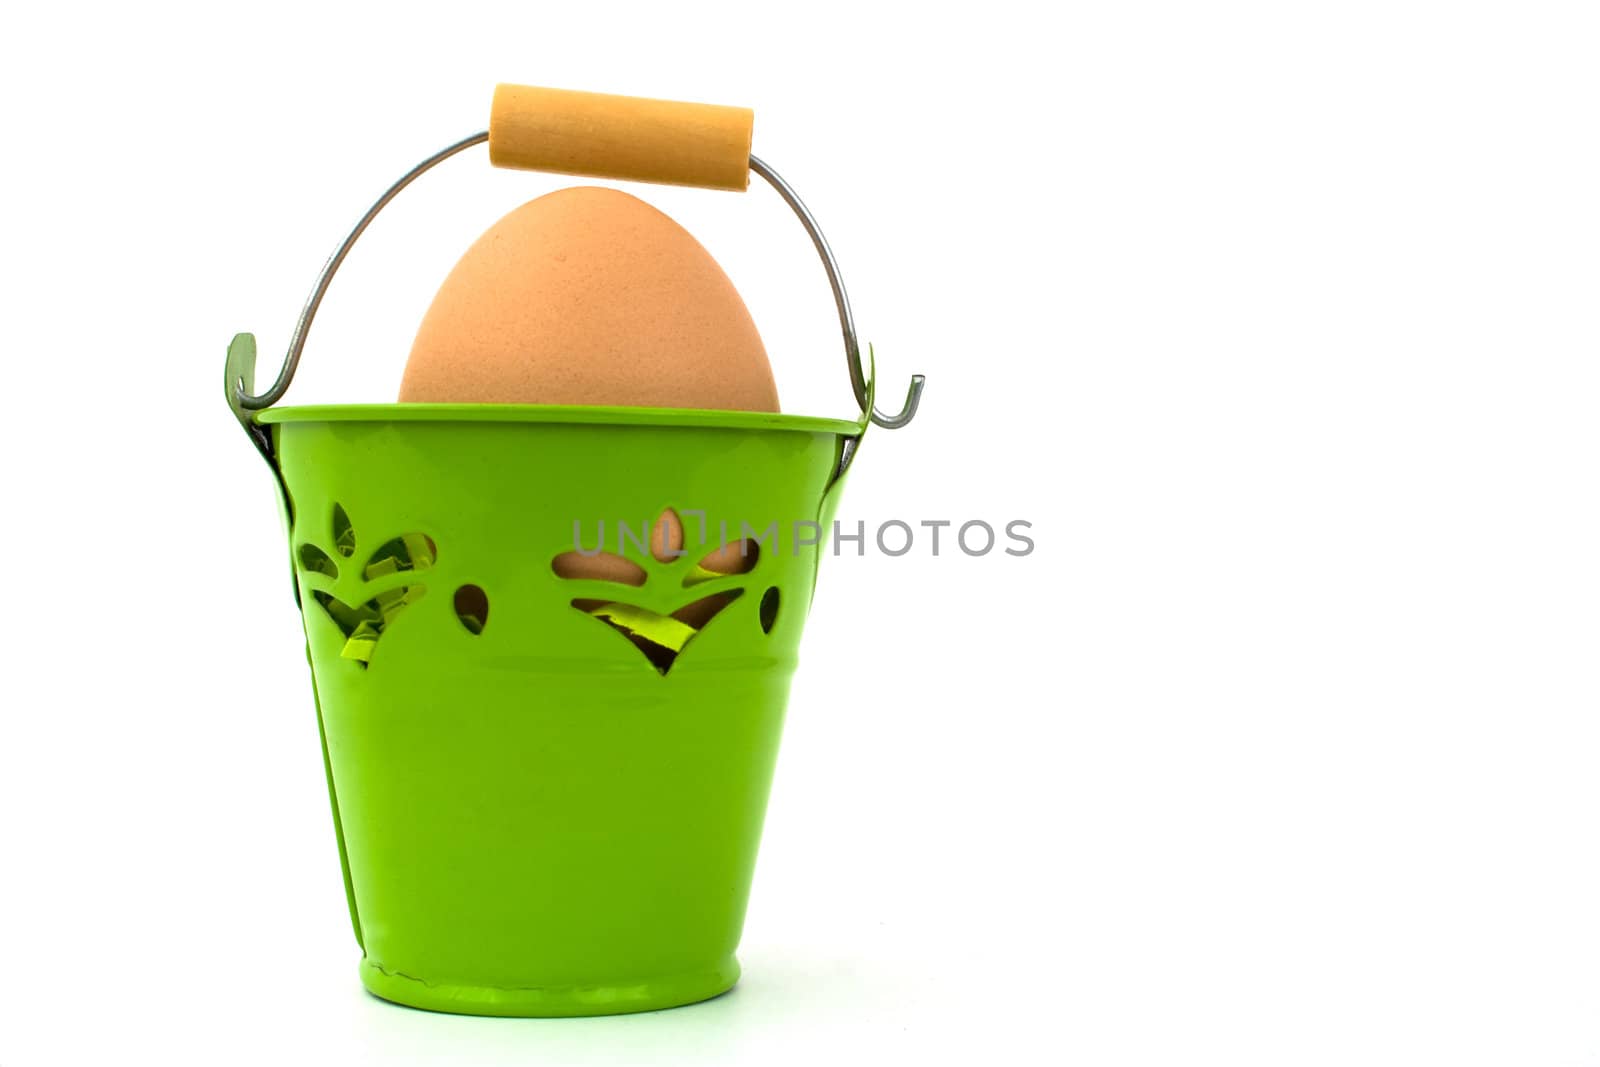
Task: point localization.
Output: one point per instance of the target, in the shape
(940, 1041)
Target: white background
(1278, 321)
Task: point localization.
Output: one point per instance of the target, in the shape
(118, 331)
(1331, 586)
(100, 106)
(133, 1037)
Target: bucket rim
(569, 414)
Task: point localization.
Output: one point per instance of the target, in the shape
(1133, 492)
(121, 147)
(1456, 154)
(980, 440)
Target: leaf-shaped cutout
(363, 624)
(769, 609)
(737, 557)
(662, 638)
(702, 611)
(666, 537)
(316, 561)
(600, 567)
(472, 608)
(344, 534)
(412, 551)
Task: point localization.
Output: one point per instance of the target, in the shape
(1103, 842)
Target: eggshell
(666, 538)
(735, 557)
(589, 296)
(603, 566)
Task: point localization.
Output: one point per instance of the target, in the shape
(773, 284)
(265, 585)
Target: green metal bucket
(548, 791)
(534, 818)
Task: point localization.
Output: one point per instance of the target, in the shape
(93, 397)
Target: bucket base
(670, 991)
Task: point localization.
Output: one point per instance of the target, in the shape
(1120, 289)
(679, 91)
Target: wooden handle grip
(625, 137)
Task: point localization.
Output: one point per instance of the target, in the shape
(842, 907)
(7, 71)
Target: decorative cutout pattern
(472, 608)
(317, 561)
(662, 638)
(363, 624)
(666, 537)
(409, 552)
(364, 621)
(601, 566)
(344, 534)
(736, 557)
(769, 609)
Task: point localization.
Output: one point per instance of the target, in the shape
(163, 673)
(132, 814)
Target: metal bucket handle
(595, 135)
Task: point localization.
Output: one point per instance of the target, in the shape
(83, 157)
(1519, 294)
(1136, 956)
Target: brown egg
(589, 296)
(666, 537)
(604, 566)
